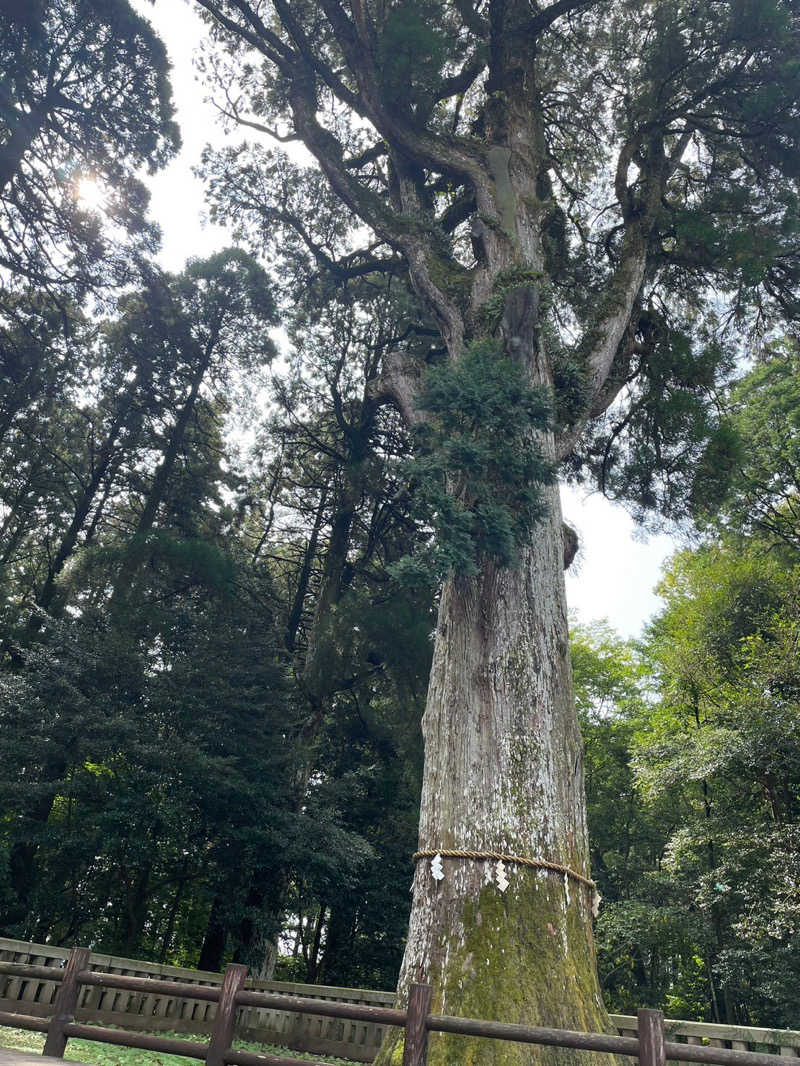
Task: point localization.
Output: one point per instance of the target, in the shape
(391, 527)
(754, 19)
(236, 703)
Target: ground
(25, 1058)
(87, 1051)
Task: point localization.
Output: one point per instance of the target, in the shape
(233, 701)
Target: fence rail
(323, 1020)
(649, 1046)
(163, 1005)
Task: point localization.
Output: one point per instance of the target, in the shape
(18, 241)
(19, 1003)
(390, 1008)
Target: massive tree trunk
(504, 773)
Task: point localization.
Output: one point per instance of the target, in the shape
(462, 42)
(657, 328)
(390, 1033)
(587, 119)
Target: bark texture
(504, 772)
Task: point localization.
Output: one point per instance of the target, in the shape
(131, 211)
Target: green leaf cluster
(762, 488)
(479, 469)
(674, 445)
(693, 788)
(412, 49)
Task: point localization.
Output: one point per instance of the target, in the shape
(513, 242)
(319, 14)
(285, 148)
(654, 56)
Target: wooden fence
(170, 998)
(650, 1046)
(163, 1010)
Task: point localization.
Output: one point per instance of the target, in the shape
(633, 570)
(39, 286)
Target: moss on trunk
(536, 969)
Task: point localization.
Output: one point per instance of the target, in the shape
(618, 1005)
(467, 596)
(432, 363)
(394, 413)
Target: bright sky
(616, 572)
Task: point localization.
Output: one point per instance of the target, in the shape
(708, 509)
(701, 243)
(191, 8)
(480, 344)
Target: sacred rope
(503, 860)
(509, 860)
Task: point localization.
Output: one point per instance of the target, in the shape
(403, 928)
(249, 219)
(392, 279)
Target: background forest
(219, 581)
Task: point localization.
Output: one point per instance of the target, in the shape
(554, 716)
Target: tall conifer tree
(584, 195)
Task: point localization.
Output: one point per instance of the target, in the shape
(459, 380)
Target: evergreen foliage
(693, 783)
(85, 97)
(761, 491)
(478, 465)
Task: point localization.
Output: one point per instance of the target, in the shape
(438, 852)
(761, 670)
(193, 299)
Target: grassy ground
(107, 1055)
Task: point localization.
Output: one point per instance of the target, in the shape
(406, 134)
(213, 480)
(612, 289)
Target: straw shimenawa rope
(509, 860)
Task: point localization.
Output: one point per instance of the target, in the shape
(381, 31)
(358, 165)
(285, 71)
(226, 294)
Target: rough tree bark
(504, 772)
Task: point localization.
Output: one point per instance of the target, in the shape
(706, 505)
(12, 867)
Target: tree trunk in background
(22, 859)
(83, 505)
(338, 937)
(169, 930)
(213, 950)
(258, 932)
(134, 913)
(304, 577)
(130, 563)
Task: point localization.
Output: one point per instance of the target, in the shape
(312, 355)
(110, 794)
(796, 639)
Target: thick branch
(400, 384)
(399, 232)
(459, 83)
(472, 19)
(610, 329)
(330, 156)
(442, 153)
(281, 61)
(417, 244)
(457, 212)
(272, 39)
(312, 60)
(607, 334)
(544, 19)
(369, 155)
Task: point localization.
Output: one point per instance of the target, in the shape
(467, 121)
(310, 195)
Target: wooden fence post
(65, 1003)
(222, 1033)
(651, 1038)
(415, 1047)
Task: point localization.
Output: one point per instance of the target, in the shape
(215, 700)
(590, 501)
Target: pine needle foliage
(478, 468)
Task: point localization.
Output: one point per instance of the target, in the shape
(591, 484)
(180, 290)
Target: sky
(616, 570)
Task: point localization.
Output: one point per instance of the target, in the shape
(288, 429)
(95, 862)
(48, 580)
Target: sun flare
(90, 194)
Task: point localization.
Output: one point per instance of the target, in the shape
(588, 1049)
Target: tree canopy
(85, 104)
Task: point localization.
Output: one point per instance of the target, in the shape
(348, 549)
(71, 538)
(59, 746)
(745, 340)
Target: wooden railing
(154, 1010)
(783, 1042)
(649, 1046)
(184, 1001)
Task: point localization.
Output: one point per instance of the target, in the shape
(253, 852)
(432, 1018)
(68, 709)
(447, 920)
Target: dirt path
(8, 1057)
